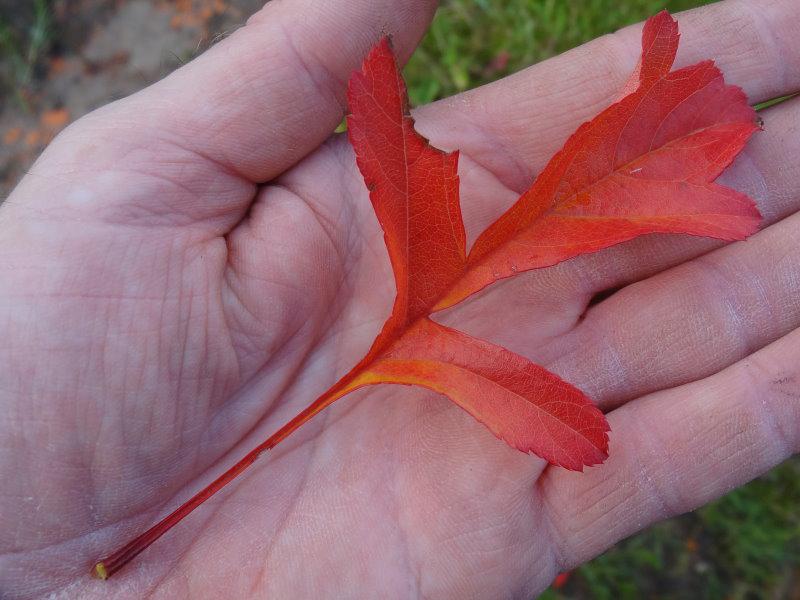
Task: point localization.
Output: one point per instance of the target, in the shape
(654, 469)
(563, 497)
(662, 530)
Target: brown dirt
(98, 51)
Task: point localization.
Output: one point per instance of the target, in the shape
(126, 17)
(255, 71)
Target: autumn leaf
(414, 190)
(659, 46)
(520, 402)
(647, 164)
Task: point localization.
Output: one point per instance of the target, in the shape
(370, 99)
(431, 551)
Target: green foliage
(774, 102)
(472, 42)
(744, 546)
(20, 51)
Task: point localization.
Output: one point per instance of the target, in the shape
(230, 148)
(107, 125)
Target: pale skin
(184, 270)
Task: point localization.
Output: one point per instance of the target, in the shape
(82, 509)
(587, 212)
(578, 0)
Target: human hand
(188, 268)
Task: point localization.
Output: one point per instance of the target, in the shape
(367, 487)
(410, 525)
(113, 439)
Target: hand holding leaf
(646, 164)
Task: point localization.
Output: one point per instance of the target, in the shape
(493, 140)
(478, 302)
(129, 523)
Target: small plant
(21, 52)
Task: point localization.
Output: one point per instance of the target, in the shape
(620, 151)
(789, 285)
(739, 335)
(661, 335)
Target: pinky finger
(675, 450)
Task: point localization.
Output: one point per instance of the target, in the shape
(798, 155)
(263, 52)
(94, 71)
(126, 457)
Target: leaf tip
(662, 19)
(383, 49)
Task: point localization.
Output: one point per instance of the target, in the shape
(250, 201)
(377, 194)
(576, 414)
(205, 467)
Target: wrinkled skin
(184, 270)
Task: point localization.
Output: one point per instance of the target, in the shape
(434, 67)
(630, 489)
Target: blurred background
(60, 59)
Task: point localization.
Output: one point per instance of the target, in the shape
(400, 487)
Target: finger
(753, 45)
(765, 171)
(697, 318)
(243, 112)
(492, 125)
(676, 450)
(677, 326)
(275, 89)
(688, 322)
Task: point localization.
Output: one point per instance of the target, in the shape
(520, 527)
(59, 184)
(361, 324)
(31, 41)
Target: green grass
(744, 546)
(472, 42)
(21, 51)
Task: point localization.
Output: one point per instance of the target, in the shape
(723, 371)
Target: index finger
(675, 450)
(513, 126)
(193, 144)
(263, 98)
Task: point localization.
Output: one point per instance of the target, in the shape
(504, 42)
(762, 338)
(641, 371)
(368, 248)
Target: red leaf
(644, 165)
(520, 402)
(659, 47)
(413, 188)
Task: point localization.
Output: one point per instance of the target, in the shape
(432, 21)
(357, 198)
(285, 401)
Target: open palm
(186, 269)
